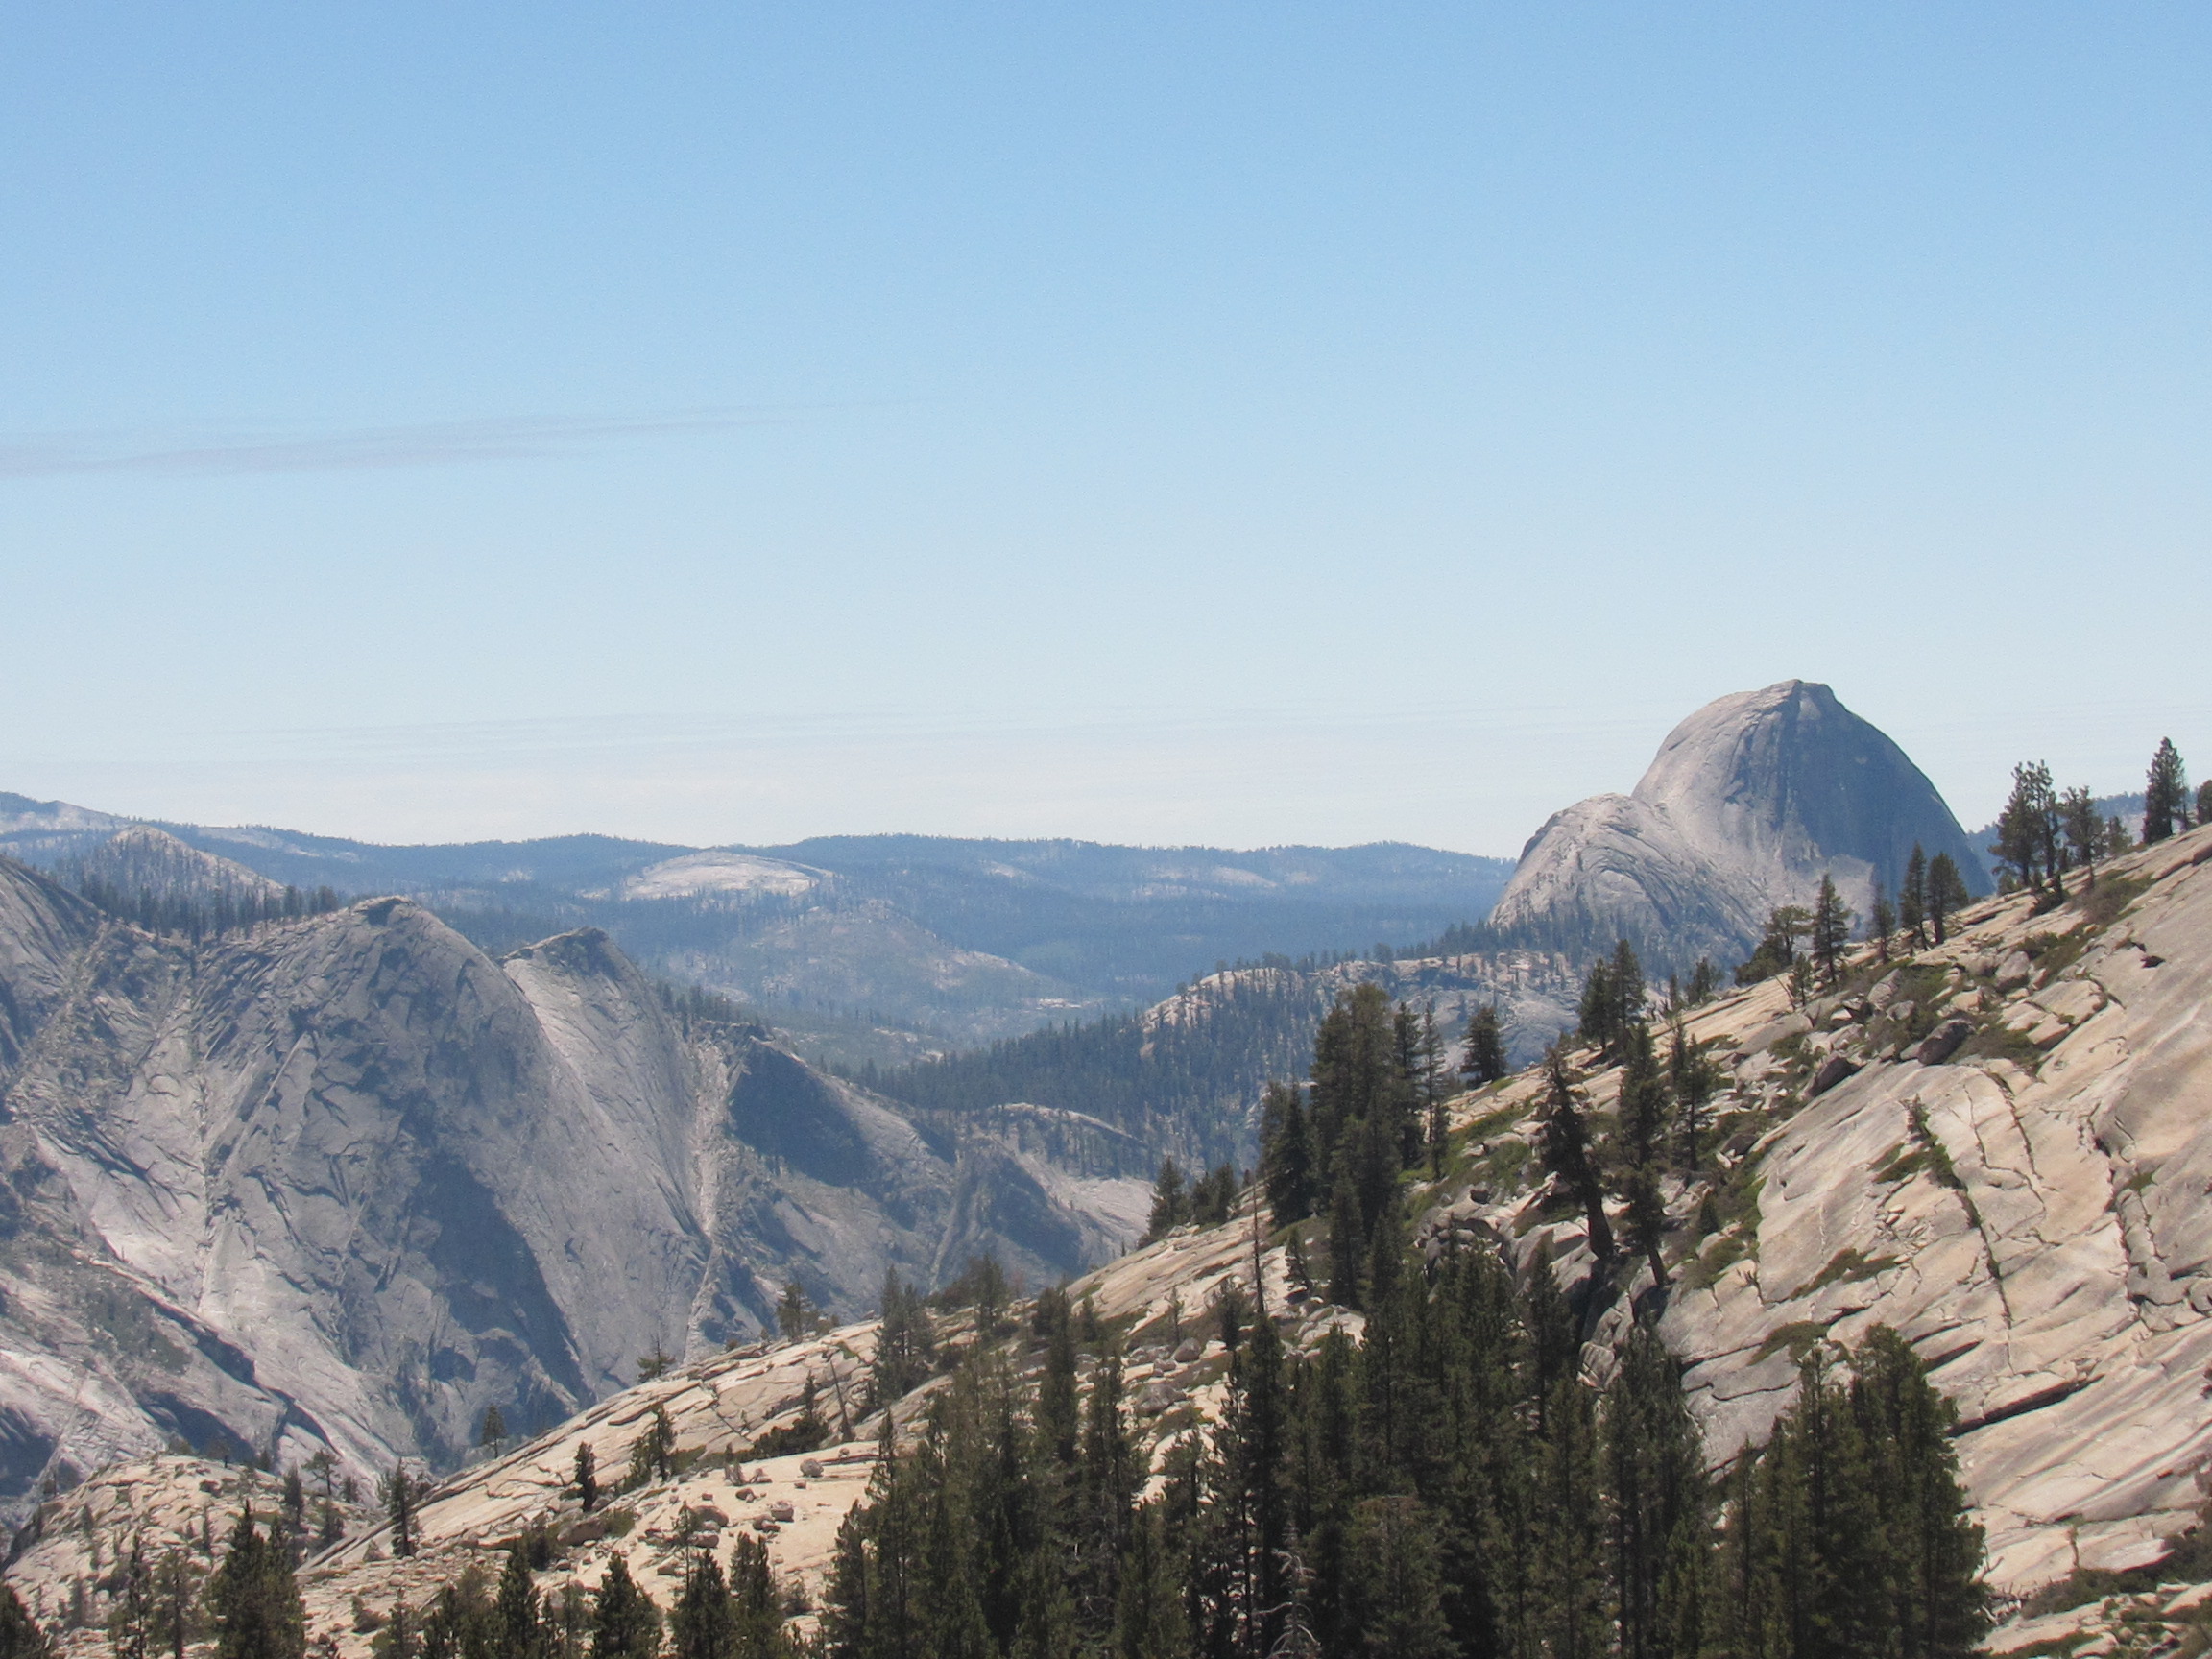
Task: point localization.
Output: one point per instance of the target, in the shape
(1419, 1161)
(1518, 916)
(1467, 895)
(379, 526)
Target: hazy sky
(1236, 422)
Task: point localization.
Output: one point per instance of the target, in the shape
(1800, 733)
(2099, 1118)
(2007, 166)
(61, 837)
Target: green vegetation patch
(1848, 1265)
(2106, 903)
(1799, 1336)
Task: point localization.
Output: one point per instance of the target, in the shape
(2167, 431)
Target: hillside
(879, 947)
(1996, 1147)
(343, 1181)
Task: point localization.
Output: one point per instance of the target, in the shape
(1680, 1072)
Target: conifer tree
(1883, 925)
(132, 1616)
(794, 1314)
(1563, 1137)
(1912, 899)
(514, 1625)
(2084, 833)
(20, 1637)
(625, 1624)
(703, 1624)
(1946, 892)
(1641, 1124)
(1830, 929)
(399, 1493)
(2165, 794)
(585, 1482)
(1287, 1154)
(1483, 1061)
(1170, 1204)
(255, 1600)
(1394, 1593)
(1657, 1503)
(495, 1430)
(905, 1345)
(1690, 1075)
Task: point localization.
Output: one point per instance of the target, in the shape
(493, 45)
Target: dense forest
(1183, 1085)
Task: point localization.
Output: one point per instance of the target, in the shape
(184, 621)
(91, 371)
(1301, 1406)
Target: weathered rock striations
(346, 1181)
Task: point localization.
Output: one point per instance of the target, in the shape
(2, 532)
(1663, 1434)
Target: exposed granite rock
(345, 1180)
(1748, 802)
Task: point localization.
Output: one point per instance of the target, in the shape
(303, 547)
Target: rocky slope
(1747, 802)
(1999, 1147)
(346, 1181)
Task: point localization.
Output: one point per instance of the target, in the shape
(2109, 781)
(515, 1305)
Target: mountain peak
(1747, 805)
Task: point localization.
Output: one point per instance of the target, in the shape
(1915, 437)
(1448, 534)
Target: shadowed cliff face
(1747, 805)
(346, 1180)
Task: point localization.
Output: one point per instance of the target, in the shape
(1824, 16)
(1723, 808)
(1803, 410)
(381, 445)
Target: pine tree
(132, 1617)
(2165, 794)
(1946, 892)
(400, 1493)
(2084, 833)
(1394, 1594)
(1286, 1155)
(625, 1624)
(1830, 930)
(1170, 1204)
(255, 1600)
(495, 1430)
(1912, 899)
(905, 1345)
(794, 1314)
(1777, 949)
(1563, 1137)
(1148, 1614)
(1657, 1503)
(1641, 1124)
(514, 1626)
(1883, 926)
(1929, 1547)
(2204, 801)
(585, 1484)
(1057, 1420)
(1599, 1008)
(703, 1624)
(1484, 1059)
(20, 1637)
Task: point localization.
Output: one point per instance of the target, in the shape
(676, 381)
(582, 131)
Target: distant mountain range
(882, 948)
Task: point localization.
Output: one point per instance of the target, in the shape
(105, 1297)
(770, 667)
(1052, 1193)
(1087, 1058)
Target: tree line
(1452, 1485)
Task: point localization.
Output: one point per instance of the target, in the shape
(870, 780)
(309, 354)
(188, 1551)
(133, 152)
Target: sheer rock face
(348, 1181)
(1748, 802)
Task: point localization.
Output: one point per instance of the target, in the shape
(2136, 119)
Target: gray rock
(346, 1181)
(1942, 1042)
(1833, 1071)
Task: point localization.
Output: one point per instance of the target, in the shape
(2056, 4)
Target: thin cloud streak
(187, 453)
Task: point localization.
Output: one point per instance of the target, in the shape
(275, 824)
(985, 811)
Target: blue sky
(1239, 422)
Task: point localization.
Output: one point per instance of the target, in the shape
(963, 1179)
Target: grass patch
(1999, 1041)
(1799, 1336)
(1939, 1161)
(1848, 1265)
(1901, 1162)
(1703, 1269)
(2106, 903)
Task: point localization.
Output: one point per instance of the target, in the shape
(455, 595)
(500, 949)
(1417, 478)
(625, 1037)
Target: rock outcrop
(346, 1181)
(1747, 804)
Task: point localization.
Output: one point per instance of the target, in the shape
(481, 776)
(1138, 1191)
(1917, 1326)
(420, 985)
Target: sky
(1239, 424)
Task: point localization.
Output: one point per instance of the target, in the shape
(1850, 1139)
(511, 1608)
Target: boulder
(1833, 1071)
(1943, 1042)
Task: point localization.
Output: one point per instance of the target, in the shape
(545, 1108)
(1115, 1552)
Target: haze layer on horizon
(1262, 423)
